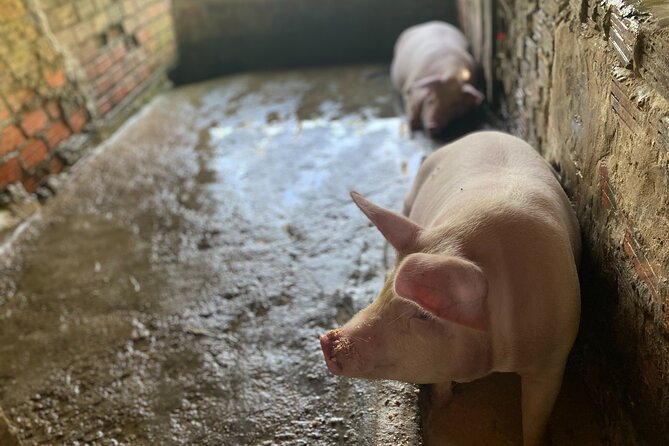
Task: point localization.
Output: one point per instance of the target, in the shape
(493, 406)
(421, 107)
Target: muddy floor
(174, 291)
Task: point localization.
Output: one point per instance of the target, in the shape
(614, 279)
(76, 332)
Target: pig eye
(423, 315)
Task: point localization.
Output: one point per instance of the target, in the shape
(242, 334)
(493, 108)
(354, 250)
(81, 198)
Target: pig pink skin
(491, 203)
(434, 50)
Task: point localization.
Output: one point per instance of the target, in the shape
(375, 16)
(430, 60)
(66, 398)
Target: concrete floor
(174, 291)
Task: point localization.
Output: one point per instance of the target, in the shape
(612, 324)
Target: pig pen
(173, 291)
(180, 300)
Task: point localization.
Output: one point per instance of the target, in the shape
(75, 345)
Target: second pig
(434, 73)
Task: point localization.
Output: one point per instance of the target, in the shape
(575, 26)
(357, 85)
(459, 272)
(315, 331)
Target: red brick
(54, 78)
(608, 196)
(56, 165)
(57, 132)
(119, 93)
(78, 119)
(119, 52)
(143, 36)
(102, 85)
(145, 73)
(158, 9)
(19, 98)
(105, 85)
(118, 75)
(31, 183)
(34, 121)
(100, 65)
(111, 79)
(10, 137)
(10, 172)
(53, 109)
(648, 271)
(33, 153)
(105, 105)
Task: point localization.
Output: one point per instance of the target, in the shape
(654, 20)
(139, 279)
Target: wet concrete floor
(174, 292)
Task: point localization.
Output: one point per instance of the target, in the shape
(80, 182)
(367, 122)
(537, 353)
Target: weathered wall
(39, 105)
(587, 83)
(221, 36)
(66, 64)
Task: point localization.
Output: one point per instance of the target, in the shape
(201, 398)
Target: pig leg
(441, 394)
(412, 113)
(539, 391)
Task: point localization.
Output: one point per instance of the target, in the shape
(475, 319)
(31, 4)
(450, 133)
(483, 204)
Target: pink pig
(485, 278)
(433, 70)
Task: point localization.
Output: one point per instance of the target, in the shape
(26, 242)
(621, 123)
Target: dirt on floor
(174, 291)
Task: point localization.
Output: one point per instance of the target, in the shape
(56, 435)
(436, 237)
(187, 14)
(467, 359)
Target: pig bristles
(358, 339)
(406, 313)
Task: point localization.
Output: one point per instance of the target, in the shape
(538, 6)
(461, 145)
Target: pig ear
(449, 287)
(470, 91)
(400, 232)
(427, 81)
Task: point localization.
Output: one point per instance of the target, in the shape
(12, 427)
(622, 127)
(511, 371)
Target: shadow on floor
(487, 413)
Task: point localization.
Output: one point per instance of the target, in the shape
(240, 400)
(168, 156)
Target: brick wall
(117, 44)
(586, 82)
(67, 67)
(39, 106)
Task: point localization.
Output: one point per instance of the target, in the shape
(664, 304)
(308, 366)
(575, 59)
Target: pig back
(422, 50)
(487, 175)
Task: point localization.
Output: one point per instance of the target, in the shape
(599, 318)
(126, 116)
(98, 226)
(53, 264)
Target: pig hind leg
(539, 392)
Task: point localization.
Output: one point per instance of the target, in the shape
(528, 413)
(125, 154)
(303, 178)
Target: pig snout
(331, 344)
(341, 350)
